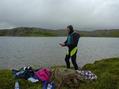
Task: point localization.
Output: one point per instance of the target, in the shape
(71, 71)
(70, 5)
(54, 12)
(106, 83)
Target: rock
(65, 77)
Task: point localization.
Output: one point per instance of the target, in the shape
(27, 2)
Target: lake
(17, 52)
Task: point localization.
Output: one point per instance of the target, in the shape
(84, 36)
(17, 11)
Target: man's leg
(67, 61)
(73, 58)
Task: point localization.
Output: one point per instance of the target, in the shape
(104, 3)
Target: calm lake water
(17, 52)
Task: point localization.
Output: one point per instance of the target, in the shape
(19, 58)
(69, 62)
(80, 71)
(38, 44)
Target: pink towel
(43, 74)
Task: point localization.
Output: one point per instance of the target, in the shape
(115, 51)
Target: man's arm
(63, 44)
(76, 38)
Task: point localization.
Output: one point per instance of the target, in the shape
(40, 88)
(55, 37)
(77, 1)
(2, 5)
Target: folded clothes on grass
(34, 76)
(86, 74)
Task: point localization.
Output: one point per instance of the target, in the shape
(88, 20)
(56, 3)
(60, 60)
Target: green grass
(107, 71)
(41, 32)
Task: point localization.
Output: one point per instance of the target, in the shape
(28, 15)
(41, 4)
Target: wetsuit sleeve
(76, 39)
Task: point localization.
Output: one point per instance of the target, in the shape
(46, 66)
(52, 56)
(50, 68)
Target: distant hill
(25, 31)
(31, 31)
(101, 33)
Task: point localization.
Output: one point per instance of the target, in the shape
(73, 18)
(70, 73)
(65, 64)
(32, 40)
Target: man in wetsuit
(71, 43)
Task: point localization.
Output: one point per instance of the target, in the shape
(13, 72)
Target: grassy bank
(41, 32)
(107, 71)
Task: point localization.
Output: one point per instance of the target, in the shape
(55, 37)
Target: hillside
(25, 31)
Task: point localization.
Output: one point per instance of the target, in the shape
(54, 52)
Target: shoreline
(50, 66)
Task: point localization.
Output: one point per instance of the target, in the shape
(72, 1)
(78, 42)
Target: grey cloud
(59, 13)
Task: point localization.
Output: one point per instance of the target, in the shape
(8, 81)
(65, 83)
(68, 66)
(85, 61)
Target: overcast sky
(58, 14)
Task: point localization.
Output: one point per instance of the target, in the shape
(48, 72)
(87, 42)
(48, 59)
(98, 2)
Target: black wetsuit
(71, 43)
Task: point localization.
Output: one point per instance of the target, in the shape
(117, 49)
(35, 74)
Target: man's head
(70, 29)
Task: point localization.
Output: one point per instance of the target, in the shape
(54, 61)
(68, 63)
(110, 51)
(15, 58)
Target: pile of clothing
(55, 78)
(42, 74)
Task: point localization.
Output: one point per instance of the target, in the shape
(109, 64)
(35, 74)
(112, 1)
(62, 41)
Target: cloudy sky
(56, 14)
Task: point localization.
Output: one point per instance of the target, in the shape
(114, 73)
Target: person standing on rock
(71, 43)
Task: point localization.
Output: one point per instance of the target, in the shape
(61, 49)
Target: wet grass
(107, 71)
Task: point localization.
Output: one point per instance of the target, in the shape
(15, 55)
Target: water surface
(16, 52)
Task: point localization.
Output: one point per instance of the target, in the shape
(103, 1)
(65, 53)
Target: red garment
(43, 74)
